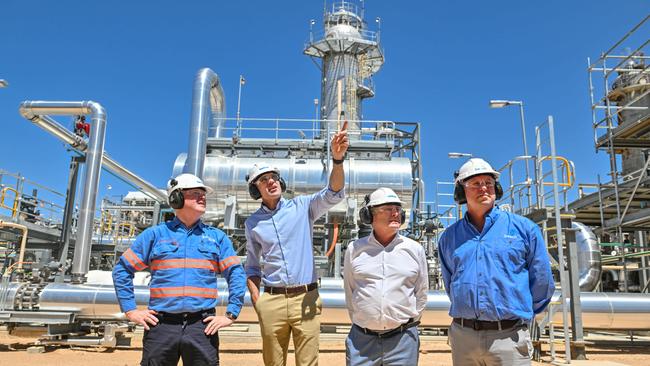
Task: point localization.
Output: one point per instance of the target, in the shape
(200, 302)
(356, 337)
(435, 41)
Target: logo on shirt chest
(208, 239)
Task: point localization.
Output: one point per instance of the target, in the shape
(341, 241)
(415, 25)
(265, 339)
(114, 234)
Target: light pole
(458, 155)
(242, 81)
(506, 103)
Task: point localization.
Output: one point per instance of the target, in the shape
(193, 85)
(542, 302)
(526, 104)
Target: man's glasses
(265, 178)
(479, 184)
(389, 209)
(194, 194)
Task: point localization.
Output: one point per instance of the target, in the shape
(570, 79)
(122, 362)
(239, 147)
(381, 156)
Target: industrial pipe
(98, 302)
(79, 144)
(207, 92)
(589, 259)
(23, 241)
(94, 154)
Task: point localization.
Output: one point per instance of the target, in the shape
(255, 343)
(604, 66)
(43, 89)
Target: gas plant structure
(58, 259)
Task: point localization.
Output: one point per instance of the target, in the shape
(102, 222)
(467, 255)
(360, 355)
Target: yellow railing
(568, 175)
(126, 225)
(3, 194)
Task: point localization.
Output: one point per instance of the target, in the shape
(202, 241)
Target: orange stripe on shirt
(133, 259)
(228, 262)
(189, 291)
(184, 263)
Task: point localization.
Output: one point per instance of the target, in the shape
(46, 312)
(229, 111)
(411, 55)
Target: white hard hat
(186, 181)
(383, 196)
(258, 170)
(475, 166)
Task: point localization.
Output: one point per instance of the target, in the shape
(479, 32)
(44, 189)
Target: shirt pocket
(164, 249)
(208, 250)
(516, 254)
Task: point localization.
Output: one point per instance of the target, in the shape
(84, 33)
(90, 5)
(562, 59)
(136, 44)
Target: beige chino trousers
(281, 316)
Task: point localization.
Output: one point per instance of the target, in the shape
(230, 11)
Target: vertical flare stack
(350, 55)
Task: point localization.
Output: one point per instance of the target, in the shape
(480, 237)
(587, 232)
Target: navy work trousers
(180, 336)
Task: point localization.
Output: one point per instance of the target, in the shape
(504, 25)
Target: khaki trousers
(283, 315)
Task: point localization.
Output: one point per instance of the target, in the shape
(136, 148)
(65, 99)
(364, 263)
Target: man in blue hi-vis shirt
(184, 256)
(496, 271)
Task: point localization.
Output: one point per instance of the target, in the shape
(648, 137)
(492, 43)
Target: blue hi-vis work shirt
(282, 239)
(184, 263)
(498, 274)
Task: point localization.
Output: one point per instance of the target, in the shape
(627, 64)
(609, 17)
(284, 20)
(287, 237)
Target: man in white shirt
(386, 283)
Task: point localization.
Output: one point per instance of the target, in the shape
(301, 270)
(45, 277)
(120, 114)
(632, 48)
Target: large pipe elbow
(589, 259)
(207, 101)
(95, 109)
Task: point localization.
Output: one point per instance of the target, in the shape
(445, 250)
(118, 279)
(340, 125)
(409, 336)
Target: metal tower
(351, 55)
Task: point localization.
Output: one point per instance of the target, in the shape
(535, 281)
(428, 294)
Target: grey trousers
(506, 347)
(368, 350)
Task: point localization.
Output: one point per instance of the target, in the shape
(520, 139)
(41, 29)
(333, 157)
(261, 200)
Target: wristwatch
(337, 161)
(230, 316)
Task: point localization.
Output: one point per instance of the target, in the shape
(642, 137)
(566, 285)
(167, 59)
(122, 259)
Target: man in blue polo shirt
(496, 271)
(279, 235)
(184, 256)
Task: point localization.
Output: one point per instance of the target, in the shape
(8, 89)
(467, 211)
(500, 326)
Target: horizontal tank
(227, 176)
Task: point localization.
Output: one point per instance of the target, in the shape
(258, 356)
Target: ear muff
(498, 189)
(255, 193)
(176, 198)
(365, 216)
(459, 193)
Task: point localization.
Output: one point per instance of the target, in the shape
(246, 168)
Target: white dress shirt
(385, 286)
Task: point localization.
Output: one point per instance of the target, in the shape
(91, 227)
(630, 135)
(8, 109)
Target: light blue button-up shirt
(501, 273)
(282, 239)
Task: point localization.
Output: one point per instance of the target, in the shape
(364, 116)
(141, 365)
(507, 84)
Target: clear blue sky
(444, 61)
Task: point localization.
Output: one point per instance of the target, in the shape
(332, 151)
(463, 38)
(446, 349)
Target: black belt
(179, 318)
(486, 324)
(291, 290)
(392, 332)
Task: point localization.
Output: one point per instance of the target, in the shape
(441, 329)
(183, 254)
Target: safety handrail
(14, 208)
(568, 173)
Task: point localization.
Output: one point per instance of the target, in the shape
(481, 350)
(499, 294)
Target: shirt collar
(396, 240)
(279, 205)
(490, 217)
(176, 223)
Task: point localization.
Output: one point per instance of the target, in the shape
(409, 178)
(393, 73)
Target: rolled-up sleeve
(322, 201)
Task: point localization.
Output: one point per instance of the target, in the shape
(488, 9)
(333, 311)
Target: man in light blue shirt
(496, 271)
(279, 235)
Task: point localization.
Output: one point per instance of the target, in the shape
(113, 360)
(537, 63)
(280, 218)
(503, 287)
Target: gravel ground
(244, 348)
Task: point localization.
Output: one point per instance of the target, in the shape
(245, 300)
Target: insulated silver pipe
(94, 155)
(599, 310)
(207, 92)
(589, 260)
(79, 144)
